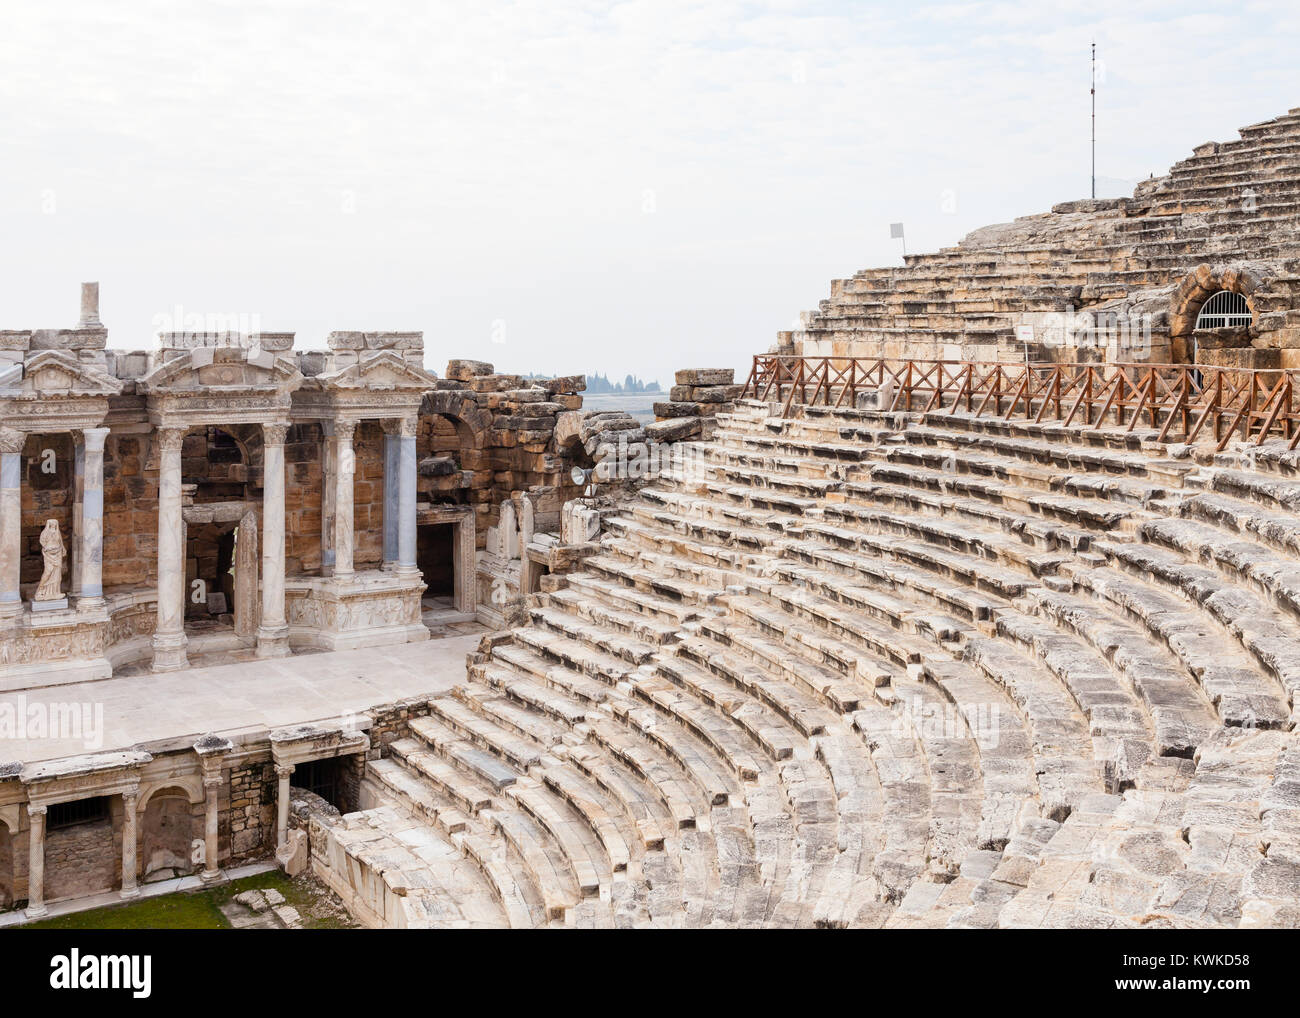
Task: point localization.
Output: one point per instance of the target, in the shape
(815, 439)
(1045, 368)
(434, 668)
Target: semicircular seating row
(857, 670)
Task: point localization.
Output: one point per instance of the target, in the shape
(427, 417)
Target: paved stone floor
(246, 696)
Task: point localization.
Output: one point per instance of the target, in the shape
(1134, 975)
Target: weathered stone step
(1230, 676)
(673, 790)
(634, 624)
(1177, 710)
(609, 642)
(805, 713)
(601, 817)
(578, 848)
(550, 872)
(626, 598)
(473, 727)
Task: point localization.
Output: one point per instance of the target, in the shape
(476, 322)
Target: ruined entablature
(83, 777)
(376, 384)
(55, 391)
(220, 385)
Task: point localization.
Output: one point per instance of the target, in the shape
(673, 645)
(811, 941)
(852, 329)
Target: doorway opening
(435, 555)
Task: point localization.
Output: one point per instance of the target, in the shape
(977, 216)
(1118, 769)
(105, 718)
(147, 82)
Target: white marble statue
(51, 586)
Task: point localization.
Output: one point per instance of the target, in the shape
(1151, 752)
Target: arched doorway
(6, 868)
(168, 831)
(1211, 297)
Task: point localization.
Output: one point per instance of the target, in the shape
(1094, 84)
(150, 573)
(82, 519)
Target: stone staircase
(864, 669)
(1230, 202)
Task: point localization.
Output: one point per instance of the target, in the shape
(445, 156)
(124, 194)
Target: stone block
(673, 430)
(705, 376)
(666, 410)
(346, 340)
(463, 370)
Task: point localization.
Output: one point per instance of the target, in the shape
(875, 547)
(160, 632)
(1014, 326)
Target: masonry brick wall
(84, 858)
(130, 510)
(247, 823)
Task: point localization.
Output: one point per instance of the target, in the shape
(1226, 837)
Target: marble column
(345, 466)
(91, 583)
(11, 520)
(169, 638)
(273, 634)
(36, 863)
(130, 837)
(464, 565)
(406, 497)
(78, 492)
(211, 789)
(328, 493)
(282, 772)
(392, 440)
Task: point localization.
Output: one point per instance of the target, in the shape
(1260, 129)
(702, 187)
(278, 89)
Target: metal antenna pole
(1094, 118)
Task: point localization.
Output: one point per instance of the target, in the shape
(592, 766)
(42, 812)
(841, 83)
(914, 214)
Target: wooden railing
(1181, 400)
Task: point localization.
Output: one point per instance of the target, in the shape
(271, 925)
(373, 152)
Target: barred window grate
(1224, 310)
(79, 811)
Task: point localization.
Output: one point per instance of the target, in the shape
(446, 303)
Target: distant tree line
(598, 383)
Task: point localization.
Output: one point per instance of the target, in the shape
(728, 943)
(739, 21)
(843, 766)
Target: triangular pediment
(232, 369)
(59, 373)
(380, 369)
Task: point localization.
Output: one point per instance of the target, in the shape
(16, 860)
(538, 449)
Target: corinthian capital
(12, 441)
(274, 434)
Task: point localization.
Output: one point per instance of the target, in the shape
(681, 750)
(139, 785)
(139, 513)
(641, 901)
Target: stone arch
(461, 407)
(168, 825)
(190, 784)
(1197, 287)
(6, 865)
(451, 438)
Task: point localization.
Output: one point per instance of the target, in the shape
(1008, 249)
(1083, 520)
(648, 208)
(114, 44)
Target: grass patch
(201, 909)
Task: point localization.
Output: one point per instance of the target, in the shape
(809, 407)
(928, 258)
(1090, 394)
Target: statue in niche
(53, 551)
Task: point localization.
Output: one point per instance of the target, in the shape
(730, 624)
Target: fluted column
(211, 789)
(392, 439)
(406, 497)
(273, 634)
(169, 639)
(91, 586)
(328, 493)
(78, 493)
(36, 863)
(282, 772)
(11, 520)
(345, 466)
(130, 836)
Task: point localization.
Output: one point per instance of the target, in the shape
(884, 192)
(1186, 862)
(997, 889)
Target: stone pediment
(379, 370)
(57, 373)
(225, 370)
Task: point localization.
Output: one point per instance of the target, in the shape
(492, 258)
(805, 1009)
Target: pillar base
(169, 653)
(85, 603)
(10, 609)
(213, 878)
(273, 642)
(127, 893)
(36, 911)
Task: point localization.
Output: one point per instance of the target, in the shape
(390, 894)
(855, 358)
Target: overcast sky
(570, 186)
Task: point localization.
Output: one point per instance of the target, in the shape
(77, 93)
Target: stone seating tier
(867, 669)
